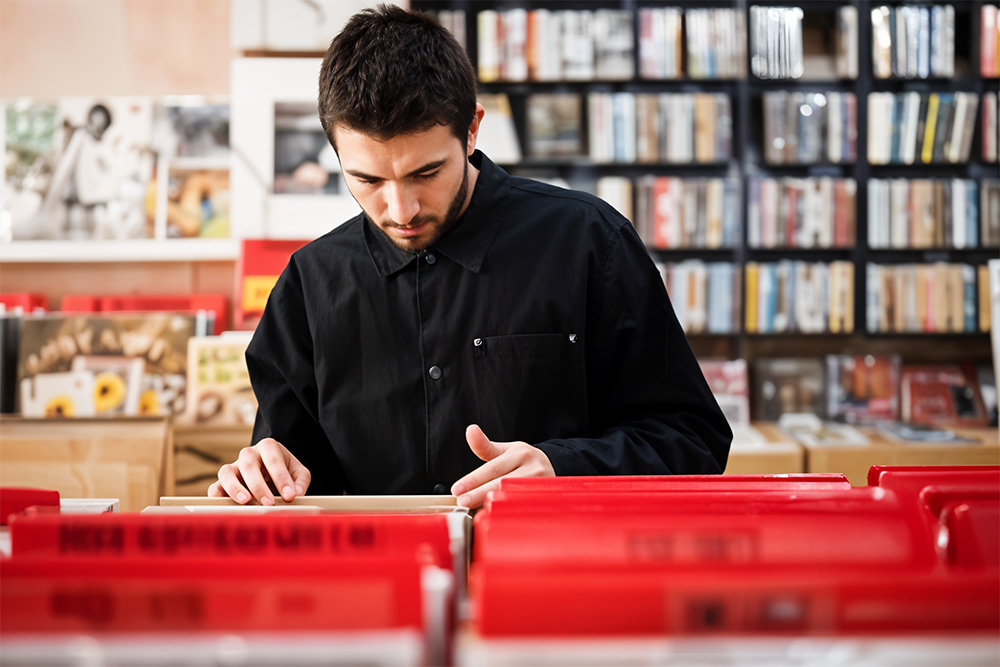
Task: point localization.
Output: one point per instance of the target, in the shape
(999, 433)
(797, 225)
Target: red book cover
(944, 395)
(791, 216)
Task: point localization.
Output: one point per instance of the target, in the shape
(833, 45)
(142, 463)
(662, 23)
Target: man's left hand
(503, 459)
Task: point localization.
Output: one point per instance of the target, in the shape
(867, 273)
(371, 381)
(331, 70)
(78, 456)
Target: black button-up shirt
(540, 317)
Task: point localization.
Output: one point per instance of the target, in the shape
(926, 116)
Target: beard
(438, 227)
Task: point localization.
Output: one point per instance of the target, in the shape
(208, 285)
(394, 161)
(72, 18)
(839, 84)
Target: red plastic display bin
(216, 303)
(25, 301)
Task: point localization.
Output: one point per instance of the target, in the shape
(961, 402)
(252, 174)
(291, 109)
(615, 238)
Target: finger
(482, 446)
(300, 476)
(273, 455)
(477, 496)
(487, 472)
(250, 466)
(216, 491)
(231, 483)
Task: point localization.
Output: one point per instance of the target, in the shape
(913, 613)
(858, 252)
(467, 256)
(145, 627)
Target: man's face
(413, 187)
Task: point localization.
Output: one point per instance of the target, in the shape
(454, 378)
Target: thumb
(482, 446)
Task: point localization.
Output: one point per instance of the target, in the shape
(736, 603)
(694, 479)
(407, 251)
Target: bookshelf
(746, 161)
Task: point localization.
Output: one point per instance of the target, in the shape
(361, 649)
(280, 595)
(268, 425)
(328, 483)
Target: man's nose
(403, 205)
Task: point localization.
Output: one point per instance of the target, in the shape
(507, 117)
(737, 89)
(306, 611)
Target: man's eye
(427, 177)
(365, 181)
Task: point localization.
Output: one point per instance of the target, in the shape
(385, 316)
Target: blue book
(972, 214)
(898, 106)
(969, 282)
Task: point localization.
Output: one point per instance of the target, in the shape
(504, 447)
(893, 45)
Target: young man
(465, 316)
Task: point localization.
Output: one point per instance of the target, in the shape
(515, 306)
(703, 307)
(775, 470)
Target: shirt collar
(469, 241)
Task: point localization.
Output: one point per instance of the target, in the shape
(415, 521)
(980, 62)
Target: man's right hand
(259, 471)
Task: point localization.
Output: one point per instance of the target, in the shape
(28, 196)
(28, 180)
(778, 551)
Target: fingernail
(267, 500)
(457, 490)
(242, 497)
(288, 493)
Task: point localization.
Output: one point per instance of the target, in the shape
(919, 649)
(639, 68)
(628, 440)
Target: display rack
(746, 161)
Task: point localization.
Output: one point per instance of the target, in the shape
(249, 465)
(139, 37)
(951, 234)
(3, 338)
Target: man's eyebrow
(368, 177)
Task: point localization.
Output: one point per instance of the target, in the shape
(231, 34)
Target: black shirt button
(440, 489)
(430, 257)
(434, 372)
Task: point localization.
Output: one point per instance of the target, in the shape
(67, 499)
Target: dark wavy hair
(391, 72)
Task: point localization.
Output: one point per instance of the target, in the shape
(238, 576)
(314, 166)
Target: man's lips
(409, 231)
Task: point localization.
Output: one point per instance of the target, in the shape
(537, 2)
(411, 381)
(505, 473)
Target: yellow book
(751, 312)
(932, 113)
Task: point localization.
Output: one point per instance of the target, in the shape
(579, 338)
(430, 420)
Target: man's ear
(477, 119)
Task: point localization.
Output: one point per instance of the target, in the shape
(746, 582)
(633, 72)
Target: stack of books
(801, 212)
(809, 128)
(801, 297)
(674, 212)
(923, 213)
(913, 128)
(705, 296)
(926, 298)
(913, 41)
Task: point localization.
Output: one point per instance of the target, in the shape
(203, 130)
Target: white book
(614, 44)
(924, 52)
(948, 47)
(617, 191)
(953, 144)
(872, 283)
(881, 43)
(769, 202)
(514, 64)
(627, 106)
(577, 45)
(834, 127)
(912, 41)
(959, 199)
(874, 213)
(901, 40)
(908, 140)
(899, 218)
(876, 127)
(547, 48)
(697, 314)
(489, 45)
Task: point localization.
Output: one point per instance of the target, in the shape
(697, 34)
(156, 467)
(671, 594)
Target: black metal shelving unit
(747, 160)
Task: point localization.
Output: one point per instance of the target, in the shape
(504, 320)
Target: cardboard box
(129, 458)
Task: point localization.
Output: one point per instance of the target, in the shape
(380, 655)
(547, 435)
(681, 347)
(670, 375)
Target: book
(554, 125)
(799, 127)
(787, 386)
(862, 388)
(730, 385)
(941, 395)
(219, 390)
(920, 433)
(260, 263)
(500, 143)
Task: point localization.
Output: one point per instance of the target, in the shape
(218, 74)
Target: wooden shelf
(139, 250)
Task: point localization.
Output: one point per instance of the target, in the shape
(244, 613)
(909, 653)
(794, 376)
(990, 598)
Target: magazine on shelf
(89, 365)
(219, 391)
(787, 386)
(903, 432)
(812, 431)
(941, 395)
(862, 389)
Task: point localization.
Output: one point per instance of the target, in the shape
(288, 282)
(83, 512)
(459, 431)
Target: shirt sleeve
(280, 361)
(651, 410)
